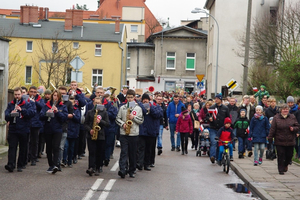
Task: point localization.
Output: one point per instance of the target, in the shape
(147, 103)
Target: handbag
(196, 123)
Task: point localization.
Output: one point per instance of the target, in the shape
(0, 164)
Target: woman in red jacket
(185, 127)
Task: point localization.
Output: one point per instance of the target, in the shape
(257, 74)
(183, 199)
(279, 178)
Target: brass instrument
(96, 128)
(128, 122)
(112, 90)
(51, 114)
(15, 118)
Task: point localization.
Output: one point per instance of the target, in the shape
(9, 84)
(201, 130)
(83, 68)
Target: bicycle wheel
(223, 162)
(227, 164)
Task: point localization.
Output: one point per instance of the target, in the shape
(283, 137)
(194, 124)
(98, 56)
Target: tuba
(112, 90)
(128, 122)
(96, 128)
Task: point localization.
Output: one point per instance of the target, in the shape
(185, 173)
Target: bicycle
(225, 156)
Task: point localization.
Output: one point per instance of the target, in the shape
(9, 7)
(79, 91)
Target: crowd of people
(68, 120)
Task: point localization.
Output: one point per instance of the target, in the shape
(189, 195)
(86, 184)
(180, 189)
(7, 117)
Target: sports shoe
(63, 164)
(55, 169)
(219, 162)
(33, 163)
(178, 149)
(70, 166)
(212, 159)
(50, 170)
(19, 169)
(173, 149)
(121, 174)
(231, 158)
(97, 172)
(260, 161)
(118, 144)
(255, 163)
(250, 153)
(106, 162)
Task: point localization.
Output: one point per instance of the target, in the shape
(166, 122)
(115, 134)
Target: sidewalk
(265, 181)
(3, 149)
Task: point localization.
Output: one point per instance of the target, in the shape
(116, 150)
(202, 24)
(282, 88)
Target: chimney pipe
(68, 20)
(117, 26)
(41, 13)
(46, 14)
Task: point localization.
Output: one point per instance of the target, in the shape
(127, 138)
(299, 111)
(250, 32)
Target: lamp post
(199, 10)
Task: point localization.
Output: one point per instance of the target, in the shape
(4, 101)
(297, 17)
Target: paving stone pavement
(264, 179)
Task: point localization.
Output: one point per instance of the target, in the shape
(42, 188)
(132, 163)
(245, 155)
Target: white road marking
(91, 192)
(115, 167)
(107, 189)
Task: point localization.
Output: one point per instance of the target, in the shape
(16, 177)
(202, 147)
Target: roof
(49, 30)
(208, 4)
(197, 31)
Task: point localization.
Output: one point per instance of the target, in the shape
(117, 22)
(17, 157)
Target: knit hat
(219, 96)
(48, 91)
(259, 107)
(290, 99)
(243, 110)
(227, 120)
(206, 131)
(185, 111)
(145, 96)
(262, 86)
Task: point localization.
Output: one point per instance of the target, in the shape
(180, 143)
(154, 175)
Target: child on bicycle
(225, 134)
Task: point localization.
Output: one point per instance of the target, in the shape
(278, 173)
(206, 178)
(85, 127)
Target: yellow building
(40, 51)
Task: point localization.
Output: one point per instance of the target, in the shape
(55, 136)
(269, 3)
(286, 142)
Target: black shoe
(121, 174)
(159, 152)
(212, 159)
(281, 173)
(19, 169)
(75, 161)
(139, 167)
(152, 165)
(173, 149)
(219, 162)
(182, 153)
(250, 153)
(82, 155)
(106, 162)
(231, 158)
(37, 160)
(147, 168)
(178, 149)
(33, 163)
(90, 171)
(9, 168)
(131, 175)
(192, 146)
(186, 152)
(55, 169)
(63, 164)
(241, 156)
(97, 172)
(79, 158)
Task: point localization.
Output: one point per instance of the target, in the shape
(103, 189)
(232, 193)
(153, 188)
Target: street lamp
(199, 10)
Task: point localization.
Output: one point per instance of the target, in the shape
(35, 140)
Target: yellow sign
(232, 84)
(200, 77)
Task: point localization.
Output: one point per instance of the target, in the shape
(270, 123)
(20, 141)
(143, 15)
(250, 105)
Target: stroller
(204, 143)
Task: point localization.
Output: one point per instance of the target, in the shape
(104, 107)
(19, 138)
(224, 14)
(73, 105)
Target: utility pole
(247, 46)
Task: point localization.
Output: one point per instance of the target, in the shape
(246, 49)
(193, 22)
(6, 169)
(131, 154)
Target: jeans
(110, 143)
(53, 141)
(249, 145)
(62, 147)
(242, 144)
(213, 142)
(159, 139)
(172, 131)
(69, 150)
(261, 148)
(221, 150)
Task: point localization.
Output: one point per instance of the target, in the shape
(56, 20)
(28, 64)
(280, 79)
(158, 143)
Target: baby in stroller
(204, 143)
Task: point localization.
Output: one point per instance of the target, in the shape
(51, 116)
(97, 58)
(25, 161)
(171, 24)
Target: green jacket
(261, 94)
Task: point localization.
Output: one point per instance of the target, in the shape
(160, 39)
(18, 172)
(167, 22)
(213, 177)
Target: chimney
(68, 20)
(77, 17)
(41, 13)
(29, 14)
(117, 26)
(46, 14)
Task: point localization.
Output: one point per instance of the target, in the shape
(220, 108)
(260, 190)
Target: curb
(249, 182)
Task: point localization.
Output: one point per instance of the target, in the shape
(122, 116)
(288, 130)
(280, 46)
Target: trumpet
(15, 118)
(32, 98)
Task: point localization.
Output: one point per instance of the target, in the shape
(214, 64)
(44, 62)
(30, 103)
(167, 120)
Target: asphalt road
(174, 177)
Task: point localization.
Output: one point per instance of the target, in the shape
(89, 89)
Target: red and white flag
(255, 89)
(248, 130)
(214, 112)
(201, 128)
(99, 117)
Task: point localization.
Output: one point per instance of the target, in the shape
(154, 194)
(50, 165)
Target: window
(97, 77)
(75, 45)
(28, 74)
(134, 28)
(128, 61)
(98, 50)
(54, 47)
(271, 54)
(273, 15)
(190, 61)
(29, 46)
(171, 58)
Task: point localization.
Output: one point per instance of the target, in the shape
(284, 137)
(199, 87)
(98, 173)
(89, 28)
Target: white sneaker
(118, 144)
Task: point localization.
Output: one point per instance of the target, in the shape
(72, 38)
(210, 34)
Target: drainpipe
(122, 55)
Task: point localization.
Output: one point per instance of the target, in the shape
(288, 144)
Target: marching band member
(54, 113)
(129, 118)
(76, 92)
(18, 113)
(96, 140)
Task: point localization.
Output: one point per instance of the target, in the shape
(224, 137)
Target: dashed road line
(107, 189)
(94, 188)
(115, 167)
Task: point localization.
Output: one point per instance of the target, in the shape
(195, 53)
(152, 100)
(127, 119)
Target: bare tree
(153, 25)
(15, 69)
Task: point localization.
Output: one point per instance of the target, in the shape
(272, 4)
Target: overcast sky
(176, 10)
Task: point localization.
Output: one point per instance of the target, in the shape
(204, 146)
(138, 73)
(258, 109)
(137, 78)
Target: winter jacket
(55, 124)
(164, 119)
(280, 130)
(70, 110)
(22, 124)
(225, 134)
(270, 112)
(89, 121)
(121, 97)
(112, 114)
(79, 98)
(241, 126)
(204, 116)
(83, 111)
(39, 104)
(223, 112)
(172, 110)
(259, 129)
(233, 112)
(137, 120)
(74, 123)
(261, 94)
(195, 116)
(150, 126)
(184, 125)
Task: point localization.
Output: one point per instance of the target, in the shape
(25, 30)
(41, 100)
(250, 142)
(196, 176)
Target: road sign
(77, 63)
(76, 75)
(200, 77)
(232, 85)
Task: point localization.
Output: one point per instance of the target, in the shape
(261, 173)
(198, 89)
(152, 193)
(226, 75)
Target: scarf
(294, 108)
(258, 116)
(196, 110)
